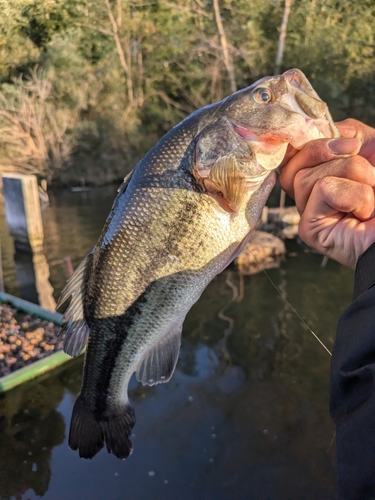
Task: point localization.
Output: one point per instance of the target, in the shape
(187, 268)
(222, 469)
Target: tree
(283, 30)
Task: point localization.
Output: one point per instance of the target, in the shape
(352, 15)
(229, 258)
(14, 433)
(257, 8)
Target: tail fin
(89, 432)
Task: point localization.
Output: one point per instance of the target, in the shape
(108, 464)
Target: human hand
(332, 182)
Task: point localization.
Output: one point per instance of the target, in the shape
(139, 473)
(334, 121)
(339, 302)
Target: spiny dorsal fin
(73, 323)
(125, 182)
(160, 362)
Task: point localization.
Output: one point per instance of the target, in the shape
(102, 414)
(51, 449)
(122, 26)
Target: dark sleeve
(352, 398)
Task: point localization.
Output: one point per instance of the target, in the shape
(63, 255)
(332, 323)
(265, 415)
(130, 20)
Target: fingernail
(344, 146)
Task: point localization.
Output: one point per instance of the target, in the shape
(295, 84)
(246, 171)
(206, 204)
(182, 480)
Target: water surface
(244, 417)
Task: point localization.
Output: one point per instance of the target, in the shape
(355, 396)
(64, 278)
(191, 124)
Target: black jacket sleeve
(352, 398)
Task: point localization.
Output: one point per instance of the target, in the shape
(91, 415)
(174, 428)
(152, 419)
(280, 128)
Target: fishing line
(290, 305)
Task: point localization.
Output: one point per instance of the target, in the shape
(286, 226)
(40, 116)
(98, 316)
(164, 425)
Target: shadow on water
(244, 417)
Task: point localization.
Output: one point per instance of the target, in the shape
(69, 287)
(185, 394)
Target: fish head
(247, 135)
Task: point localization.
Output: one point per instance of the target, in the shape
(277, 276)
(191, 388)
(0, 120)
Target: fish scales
(178, 220)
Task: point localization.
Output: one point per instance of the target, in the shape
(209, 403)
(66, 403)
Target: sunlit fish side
(179, 219)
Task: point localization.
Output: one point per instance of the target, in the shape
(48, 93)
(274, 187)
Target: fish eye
(262, 95)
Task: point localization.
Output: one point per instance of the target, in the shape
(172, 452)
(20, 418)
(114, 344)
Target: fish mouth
(303, 99)
(298, 80)
(273, 136)
(311, 121)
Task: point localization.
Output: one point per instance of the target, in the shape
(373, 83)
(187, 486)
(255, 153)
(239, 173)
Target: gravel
(24, 338)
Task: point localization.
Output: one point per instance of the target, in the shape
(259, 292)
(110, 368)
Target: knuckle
(352, 122)
(367, 195)
(352, 164)
(357, 168)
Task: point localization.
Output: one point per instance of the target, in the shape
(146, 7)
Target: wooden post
(1, 270)
(33, 279)
(24, 218)
(23, 212)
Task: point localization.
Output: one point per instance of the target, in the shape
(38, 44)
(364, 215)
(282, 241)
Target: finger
(331, 196)
(355, 129)
(352, 168)
(315, 153)
(336, 219)
(290, 152)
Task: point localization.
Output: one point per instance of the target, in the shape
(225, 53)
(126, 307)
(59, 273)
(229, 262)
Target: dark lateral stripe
(120, 326)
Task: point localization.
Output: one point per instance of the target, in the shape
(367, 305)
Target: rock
(289, 232)
(288, 215)
(4, 348)
(263, 251)
(281, 222)
(25, 339)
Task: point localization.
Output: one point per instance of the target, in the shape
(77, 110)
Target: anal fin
(160, 361)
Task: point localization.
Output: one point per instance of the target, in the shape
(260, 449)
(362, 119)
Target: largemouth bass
(179, 219)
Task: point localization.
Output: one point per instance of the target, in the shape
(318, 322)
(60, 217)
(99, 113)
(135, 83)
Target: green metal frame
(41, 366)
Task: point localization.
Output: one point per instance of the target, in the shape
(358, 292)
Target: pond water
(245, 416)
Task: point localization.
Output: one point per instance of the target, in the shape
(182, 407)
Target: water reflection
(30, 428)
(245, 415)
(72, 223)
(32, 273)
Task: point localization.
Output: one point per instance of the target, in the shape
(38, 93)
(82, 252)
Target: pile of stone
(24, 338)
(263, 251)
(265, 248)
(282, 222)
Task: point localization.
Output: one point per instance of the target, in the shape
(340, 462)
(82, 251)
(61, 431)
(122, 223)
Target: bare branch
(186, 9)
(120, 52)
(95, 28)
(33, 131)
(170, 102)
(283, 30)
(119, 13)
(224, 45)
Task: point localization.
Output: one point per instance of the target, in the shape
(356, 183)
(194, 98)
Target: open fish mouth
(303, 99)
(298, 116)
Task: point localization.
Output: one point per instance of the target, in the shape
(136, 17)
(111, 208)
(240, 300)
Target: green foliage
(123, 72)
(42, 20)
(334, 44)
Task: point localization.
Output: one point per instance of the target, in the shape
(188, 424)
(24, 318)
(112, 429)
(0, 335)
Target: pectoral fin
(226, 183)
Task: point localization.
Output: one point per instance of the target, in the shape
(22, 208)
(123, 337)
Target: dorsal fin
(160, 361)
(125, 182)
(73, 323)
